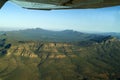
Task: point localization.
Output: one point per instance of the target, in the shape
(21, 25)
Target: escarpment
(37, 60)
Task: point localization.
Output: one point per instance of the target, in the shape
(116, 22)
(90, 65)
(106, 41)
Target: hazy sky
(13, 17)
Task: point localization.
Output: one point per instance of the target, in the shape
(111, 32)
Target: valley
(93, 59)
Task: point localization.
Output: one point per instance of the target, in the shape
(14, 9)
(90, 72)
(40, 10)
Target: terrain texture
(95, 59)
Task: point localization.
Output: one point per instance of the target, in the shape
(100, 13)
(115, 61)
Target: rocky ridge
(61, 61)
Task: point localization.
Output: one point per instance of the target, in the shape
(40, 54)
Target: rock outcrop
(61, 61)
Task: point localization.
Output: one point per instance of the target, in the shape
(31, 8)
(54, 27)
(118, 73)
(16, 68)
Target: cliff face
(61, 61)
(39, 49)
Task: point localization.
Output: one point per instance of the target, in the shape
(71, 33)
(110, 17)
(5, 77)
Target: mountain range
(37, 54)
(51, 36)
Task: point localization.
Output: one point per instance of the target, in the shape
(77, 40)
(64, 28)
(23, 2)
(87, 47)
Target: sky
(13, 17)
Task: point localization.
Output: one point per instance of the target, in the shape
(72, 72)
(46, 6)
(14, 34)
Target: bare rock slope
(30, 60)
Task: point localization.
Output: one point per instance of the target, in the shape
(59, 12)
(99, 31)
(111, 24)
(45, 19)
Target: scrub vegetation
(95, 59)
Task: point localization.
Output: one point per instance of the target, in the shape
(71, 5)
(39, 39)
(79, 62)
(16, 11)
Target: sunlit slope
(33, 60)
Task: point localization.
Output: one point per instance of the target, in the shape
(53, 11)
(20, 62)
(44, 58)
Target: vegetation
(50, 36)
(95, 59)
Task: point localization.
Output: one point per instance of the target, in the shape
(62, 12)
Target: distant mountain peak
(55, 36)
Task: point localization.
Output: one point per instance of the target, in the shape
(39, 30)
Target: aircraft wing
(2, 2)
(62, 4)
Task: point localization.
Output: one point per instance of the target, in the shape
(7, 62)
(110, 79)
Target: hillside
(50, 36)
(115, 34)
(36, 60)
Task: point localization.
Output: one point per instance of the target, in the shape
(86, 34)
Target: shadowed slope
(62, 61)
